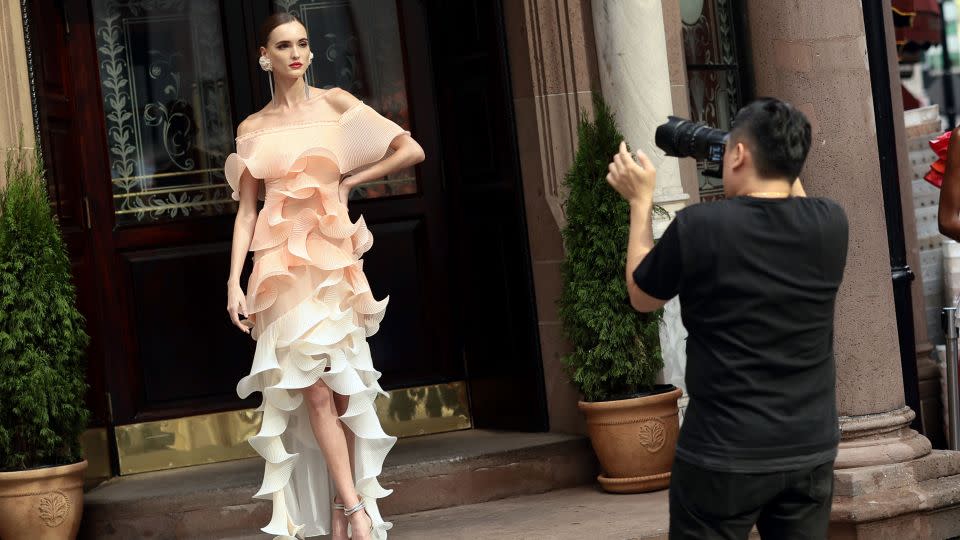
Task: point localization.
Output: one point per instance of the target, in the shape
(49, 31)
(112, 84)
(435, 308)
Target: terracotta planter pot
(42, 504)
(635, 440)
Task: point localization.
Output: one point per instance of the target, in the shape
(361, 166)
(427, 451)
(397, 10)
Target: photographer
(757, 275)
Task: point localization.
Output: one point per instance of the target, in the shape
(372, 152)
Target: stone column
(635, 77)
(15, 106)
(888, 484)
(643, 79)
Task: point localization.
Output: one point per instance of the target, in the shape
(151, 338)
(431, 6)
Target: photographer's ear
(738, 155)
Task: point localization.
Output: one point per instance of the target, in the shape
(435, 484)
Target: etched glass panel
(357, 47)
(711, 102)
(169, 129)
(713, 73)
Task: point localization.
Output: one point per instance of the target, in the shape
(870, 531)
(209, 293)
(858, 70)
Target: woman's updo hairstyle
(273, 21)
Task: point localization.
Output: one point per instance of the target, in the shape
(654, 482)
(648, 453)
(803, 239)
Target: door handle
(88, 219)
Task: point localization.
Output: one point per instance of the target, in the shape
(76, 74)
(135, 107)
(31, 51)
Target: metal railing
(949, 320)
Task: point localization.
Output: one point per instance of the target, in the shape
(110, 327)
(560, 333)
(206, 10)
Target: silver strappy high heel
(347, 512)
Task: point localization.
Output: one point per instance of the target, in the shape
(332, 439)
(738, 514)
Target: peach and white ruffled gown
(312, 310)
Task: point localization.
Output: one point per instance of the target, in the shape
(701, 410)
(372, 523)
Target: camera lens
(679, 137)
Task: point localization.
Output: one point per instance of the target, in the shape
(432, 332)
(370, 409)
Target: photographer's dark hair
(273, 21)
(778, 135)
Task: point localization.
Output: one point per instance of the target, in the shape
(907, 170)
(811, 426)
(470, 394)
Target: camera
(680, 137)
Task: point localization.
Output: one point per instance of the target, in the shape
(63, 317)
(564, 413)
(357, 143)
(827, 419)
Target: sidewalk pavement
(583, 513)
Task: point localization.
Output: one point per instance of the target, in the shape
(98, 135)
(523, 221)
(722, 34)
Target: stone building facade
(651, 59)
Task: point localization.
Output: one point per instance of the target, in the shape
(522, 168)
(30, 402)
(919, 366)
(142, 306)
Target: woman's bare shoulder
(340, 100)
(253, 122)
(249, 124)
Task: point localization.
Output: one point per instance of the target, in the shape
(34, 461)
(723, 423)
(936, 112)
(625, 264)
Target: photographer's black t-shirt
(757, 280)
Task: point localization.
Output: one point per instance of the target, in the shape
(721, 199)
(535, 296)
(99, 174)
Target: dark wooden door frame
(60, 101)
(504, 371)
(59, 106)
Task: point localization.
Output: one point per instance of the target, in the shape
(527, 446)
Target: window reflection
(167, 107)
(713, 76)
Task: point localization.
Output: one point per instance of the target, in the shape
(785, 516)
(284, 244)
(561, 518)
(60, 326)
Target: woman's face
(288, 50)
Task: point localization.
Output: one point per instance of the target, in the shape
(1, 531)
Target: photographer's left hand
(633, 181)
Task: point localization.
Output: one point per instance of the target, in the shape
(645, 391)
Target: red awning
(923, 27)
(917, 25)
(903, 7)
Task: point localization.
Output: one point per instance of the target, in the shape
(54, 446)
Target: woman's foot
(360, 523)
(338, 521)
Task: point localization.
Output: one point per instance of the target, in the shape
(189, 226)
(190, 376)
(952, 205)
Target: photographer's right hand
(237, 305)
(633, 180)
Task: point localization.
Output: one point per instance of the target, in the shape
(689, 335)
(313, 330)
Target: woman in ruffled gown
(308, 304)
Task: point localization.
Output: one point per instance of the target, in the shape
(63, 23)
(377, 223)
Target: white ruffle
(315, 341)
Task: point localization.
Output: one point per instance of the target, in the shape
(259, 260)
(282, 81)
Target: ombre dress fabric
(311, 311)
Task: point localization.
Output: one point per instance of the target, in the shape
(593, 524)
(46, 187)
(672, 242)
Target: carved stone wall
(553, 66)
(16, 112)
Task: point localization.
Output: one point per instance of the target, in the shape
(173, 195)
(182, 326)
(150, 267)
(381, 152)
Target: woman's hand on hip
(344, 189)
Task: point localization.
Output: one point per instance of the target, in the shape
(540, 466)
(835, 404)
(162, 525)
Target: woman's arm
(948, 216)
(406, 151)
(243, 227)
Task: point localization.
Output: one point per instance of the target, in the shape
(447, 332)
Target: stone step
(930, 506)
(568, 514)
(436, 471)
(865, 481)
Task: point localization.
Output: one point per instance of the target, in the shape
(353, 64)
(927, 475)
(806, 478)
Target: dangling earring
(306, 81)
(267, 65)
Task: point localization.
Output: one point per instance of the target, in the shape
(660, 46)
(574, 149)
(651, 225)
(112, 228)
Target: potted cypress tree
(42, 343)
(633, 422)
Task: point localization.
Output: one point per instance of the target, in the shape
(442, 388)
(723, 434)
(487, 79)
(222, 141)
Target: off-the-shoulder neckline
(297, 125)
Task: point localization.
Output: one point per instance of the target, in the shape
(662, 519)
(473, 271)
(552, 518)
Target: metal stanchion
(949, 317)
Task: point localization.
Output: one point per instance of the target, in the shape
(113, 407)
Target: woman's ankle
(351, 502)
(360, 517)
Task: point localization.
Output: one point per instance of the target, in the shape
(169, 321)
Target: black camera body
(680, 137)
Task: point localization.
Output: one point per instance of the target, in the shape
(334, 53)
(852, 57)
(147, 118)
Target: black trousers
(789, 505)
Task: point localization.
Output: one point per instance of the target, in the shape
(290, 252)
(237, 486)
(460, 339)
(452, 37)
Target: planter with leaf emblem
(635, 439)
(42, 504)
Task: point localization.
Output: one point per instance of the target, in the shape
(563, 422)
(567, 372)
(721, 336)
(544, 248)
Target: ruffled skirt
(312, 310)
